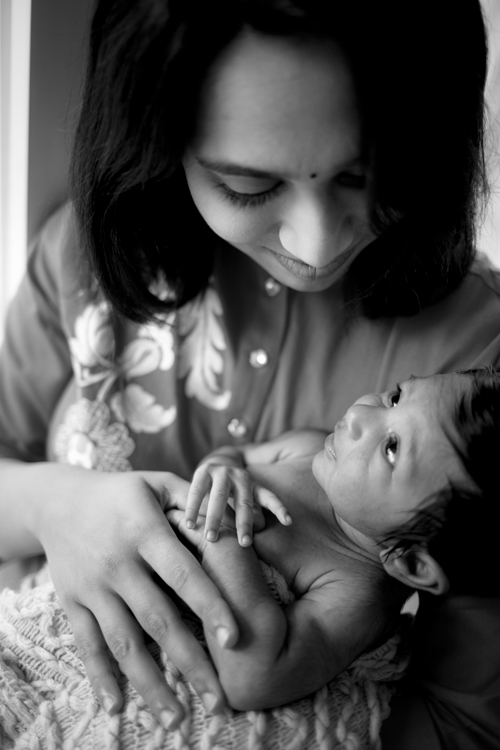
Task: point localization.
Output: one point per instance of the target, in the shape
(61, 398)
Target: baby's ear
(416, 568)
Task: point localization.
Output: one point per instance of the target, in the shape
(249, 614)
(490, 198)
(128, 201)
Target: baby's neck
(355, 540)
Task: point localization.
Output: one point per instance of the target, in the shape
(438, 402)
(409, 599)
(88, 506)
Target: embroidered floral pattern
(137, 408)
(93, 343)
(87, 439)
(153, 349)
(201, 360)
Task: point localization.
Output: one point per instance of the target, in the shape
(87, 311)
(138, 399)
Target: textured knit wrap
(46, 701)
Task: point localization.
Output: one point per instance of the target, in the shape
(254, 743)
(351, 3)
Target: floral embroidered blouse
(247, 360)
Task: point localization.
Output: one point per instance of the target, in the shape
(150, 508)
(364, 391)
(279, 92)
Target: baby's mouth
(330, 445)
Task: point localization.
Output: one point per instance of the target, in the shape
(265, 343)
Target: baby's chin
(317, 463)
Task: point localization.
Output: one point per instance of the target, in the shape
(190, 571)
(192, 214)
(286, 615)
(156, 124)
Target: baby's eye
(394, 396)
(391, 449)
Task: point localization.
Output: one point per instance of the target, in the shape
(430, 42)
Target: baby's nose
(354, 422)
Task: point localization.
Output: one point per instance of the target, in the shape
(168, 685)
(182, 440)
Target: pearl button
(237, 428)
(272, 287)
(258, 358)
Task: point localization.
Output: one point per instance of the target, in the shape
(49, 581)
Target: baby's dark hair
(459, 524)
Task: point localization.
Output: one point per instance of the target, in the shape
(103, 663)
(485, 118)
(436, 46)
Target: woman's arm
(105, 534)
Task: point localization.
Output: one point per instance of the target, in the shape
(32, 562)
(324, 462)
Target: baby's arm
(283, 654)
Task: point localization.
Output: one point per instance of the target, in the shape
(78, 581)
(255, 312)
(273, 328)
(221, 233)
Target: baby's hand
(219, 479)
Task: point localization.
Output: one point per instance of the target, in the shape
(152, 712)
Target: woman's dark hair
(419, 69)
(459, 525)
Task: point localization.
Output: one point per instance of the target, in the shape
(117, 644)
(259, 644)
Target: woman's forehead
(270, 101)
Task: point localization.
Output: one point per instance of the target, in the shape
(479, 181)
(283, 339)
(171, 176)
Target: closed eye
(248, 199)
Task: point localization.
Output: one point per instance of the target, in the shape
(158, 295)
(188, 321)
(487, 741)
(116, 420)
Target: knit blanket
(47, 703)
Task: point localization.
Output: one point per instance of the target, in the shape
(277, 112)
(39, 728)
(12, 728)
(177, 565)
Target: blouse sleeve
(35, 363)
(451, 697)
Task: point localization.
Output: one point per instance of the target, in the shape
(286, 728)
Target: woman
(232, 156)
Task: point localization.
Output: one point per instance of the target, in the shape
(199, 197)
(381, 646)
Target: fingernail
(211, 536)
(287, 519)
(108, 702)
(210, 701)
(190, 524)
(167, 718)
(222, 634)
(246, 540)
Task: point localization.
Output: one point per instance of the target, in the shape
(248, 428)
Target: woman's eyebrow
(240, 170)
(230, 168)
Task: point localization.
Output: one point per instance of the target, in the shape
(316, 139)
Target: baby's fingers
(217, 502)
(243, 507)
(269, 500)
(200, 486)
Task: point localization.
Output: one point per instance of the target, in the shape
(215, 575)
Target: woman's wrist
(27, 490)
(52, 485)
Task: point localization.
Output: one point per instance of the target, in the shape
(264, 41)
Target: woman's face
(275, 167)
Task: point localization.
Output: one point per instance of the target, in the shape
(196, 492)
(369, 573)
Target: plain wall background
(58, 29)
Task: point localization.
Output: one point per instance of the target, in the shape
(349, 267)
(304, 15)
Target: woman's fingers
(125, 641)
(269, 500)
(159, 617)
(94, 654)
(179, 569)
(119, 617)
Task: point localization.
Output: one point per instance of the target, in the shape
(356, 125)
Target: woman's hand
(105, 535)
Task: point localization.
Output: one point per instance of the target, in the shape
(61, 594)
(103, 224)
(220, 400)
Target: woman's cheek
(238, 226)
(244, 227)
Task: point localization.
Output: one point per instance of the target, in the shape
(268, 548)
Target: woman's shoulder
(475, 304)
(460, 331)
(55, 251)
(484, 274)
(59, 224)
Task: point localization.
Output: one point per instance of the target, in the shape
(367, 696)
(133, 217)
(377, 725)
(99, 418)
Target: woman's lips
(310, 273)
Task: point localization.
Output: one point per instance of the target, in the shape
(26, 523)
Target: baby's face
(389, 452)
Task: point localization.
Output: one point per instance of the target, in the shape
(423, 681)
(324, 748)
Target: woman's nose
(315, 231)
